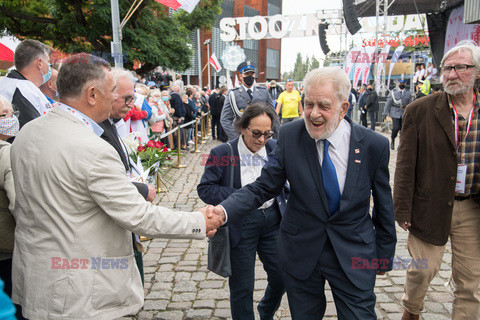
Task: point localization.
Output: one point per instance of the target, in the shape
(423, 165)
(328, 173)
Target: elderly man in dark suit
(327, 232)
(120, 106)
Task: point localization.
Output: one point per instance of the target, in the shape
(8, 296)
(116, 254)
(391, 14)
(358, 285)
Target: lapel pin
(357, 161)
(357, 151)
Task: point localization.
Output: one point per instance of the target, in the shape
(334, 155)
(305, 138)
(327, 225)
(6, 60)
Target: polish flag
(214, 62)
(187, 5)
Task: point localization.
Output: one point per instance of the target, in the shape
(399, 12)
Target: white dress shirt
(338, 150)
(251, 165)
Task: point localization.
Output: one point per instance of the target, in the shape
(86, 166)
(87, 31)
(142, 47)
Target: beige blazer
(75, 211)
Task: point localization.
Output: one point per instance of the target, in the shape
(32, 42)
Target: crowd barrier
(205, 128)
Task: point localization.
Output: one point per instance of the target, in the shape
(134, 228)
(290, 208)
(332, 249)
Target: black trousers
(397, 126)
(363, 118)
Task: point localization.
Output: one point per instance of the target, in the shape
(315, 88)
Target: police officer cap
(246, 66)
(402, 81)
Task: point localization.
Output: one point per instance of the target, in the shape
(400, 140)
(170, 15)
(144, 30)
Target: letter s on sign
(227, 25)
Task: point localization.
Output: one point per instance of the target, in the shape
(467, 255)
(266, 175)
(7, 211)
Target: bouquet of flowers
(153, 156)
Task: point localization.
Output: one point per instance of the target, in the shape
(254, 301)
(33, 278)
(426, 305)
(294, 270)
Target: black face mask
(249, 80)
(401, 86)
(370, 89)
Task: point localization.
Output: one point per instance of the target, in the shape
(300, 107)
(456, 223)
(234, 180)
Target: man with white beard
(327, 233)
(437, 184)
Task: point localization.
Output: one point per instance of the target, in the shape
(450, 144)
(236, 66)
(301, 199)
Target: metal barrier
(203, 136)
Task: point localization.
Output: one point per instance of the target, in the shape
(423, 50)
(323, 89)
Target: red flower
(165, 149)
(158, 145)
(151, 144)
(141, 148)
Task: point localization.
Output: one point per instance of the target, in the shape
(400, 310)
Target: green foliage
(150, 36)
(301, 68)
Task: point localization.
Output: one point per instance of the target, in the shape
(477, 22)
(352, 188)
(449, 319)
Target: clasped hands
(214, 218)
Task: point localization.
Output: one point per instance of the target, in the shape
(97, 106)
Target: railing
(205, 122)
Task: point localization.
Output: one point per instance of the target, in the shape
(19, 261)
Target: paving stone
(434, 307)
(156, 295)
(222, 313)
(391, 307)
(224, 304)
(382, 297)
(186, 296)
(216, 294)
(202, 304)
(162, 286)
(185, 286)
(145, 315)
(155, 305)
(198, 314)
(179, 305)
(169, 315)
(211, 284)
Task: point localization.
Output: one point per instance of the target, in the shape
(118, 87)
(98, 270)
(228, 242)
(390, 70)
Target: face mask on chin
(249, 80)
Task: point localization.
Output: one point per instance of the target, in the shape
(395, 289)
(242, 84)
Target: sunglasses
(257, 134)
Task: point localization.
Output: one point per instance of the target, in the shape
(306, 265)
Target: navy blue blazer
(214, 186)
(306, 224)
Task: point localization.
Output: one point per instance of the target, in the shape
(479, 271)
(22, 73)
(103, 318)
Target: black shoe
(392, 145)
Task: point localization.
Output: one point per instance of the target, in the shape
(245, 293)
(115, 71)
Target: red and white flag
(187, 5)
(214, 62)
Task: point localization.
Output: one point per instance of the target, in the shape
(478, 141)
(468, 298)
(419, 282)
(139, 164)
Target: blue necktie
(250, 94)
(330, 181)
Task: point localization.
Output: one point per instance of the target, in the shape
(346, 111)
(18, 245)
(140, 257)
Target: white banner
(458, 31)
(396, 55)
(380, 67)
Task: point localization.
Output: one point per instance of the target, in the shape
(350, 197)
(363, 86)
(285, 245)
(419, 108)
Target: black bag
(219, 245)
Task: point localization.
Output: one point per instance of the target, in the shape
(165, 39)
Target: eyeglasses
(458, 68)
(49, 64)
(257, 134)
(128, 99)
(9, 113)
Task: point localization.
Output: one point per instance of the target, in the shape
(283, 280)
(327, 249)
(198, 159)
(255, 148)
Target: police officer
(239, 98)
(395, 105)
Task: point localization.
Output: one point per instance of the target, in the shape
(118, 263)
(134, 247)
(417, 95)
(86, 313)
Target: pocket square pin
(357, 151)
(357, 161)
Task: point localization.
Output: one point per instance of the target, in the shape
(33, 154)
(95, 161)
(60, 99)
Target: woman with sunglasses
(257, 232)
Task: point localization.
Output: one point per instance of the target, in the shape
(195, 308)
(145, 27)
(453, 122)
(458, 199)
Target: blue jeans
(259, 234)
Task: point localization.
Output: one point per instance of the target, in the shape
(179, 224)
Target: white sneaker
(191, 142)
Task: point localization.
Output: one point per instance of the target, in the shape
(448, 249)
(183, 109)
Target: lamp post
(207, 42)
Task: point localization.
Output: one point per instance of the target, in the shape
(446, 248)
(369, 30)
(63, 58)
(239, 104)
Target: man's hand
(404, 225)
(212, 221)
(218, 210)
(152, 192)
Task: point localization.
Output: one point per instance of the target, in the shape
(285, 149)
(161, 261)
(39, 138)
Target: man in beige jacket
(76, 208)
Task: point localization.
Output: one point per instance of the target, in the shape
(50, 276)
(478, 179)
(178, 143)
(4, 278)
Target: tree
(151, 36)
(314, 64)
(298, 68)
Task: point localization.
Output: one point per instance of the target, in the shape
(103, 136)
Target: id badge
(461, 177)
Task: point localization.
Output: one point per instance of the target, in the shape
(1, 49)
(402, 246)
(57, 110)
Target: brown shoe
(409, 316)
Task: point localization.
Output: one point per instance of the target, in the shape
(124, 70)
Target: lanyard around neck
(470, 118)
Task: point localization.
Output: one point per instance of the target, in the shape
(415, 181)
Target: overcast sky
(306, 45)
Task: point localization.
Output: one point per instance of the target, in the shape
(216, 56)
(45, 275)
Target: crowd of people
(297, 189)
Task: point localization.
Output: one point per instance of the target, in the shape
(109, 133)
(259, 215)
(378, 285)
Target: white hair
(5, 103)
(462, 46)
(335, 75)
(119, 73)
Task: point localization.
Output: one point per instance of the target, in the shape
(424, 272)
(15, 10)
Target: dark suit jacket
(426, 171)
(306, 223)
(177, 104)
(111, 137)
(214, 186)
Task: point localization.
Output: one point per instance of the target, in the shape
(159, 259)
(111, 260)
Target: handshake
(214, 218)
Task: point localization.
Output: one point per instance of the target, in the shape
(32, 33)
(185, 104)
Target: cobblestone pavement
(178, 285)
